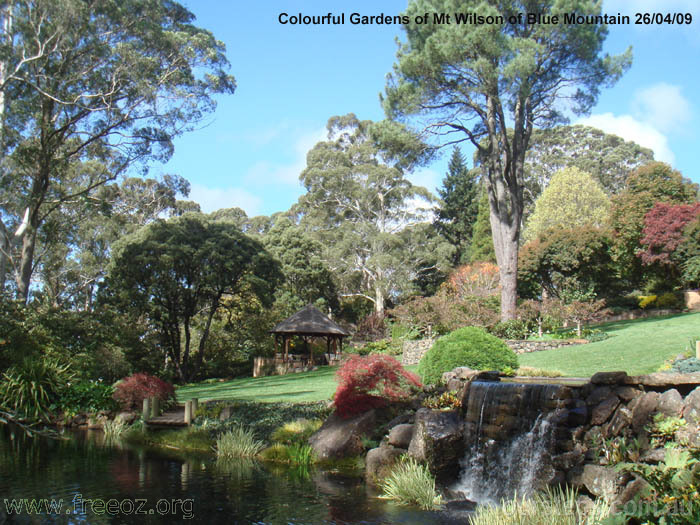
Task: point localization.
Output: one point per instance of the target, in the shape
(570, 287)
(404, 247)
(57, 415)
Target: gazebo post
(286, 347)
(275, 338)
(311, 352)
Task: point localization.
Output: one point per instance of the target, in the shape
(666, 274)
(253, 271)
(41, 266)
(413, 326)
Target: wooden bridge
(178, 416)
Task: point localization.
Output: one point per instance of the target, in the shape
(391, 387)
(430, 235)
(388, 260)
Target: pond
(81, 478)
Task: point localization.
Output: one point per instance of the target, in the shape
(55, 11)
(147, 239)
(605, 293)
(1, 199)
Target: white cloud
(211, 199)
(629, 128)
(287, 173)
(663, 106)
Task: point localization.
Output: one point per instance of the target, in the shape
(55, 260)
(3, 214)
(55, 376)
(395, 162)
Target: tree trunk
(205, 335)
(24, 276)
(378, 300)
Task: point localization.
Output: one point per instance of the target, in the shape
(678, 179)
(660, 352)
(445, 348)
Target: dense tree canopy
(90, 88)
(647, 185)
(179, 272)
(569, 264)
(366, 214)
(608, 158)
(456, 214)
(572, 198)
(491, 84)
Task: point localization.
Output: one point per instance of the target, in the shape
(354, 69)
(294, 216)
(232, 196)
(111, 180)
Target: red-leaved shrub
(367, 382)
(132, 390)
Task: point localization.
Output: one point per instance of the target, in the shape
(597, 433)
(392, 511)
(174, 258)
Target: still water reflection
(88, 480)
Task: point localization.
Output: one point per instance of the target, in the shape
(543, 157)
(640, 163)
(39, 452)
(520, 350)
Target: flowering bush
(369, 382)
(131, 391)
(480, 278)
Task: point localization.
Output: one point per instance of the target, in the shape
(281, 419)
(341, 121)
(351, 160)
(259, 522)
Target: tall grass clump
(410, 483)
(32, 387)
(297, 431)
(239, 442)
(554, 507)
(114, 429)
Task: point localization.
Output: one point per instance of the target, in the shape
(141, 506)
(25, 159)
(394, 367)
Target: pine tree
(460, 203)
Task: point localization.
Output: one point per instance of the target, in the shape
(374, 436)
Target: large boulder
(642, 408)
(691, 406)
(671, 403)
(601, 481)
(604, 410)
(339, 438)
(379, 462)
(400, 436)
(438, 440)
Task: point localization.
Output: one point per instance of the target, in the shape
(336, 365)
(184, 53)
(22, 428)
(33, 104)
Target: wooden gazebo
(309, 323)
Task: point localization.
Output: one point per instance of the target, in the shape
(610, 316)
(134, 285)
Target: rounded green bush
(469, 346)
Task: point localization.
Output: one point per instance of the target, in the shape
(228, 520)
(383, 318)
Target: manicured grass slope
(319, 385)
(307, 386)
(637, 347)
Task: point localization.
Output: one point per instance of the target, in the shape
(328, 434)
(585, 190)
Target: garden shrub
(646, 301)
(87, 396)
(32, 387)
(469, 346)
(370, 382)
(512, 329)
(669, 300)
(131, 391)
(383, 346)
(686, 366)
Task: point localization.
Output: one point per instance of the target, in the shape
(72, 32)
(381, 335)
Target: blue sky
(291, 79)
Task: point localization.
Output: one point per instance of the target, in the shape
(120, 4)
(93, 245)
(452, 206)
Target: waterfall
(509, 438)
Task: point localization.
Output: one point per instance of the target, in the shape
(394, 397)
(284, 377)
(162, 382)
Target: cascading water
(509, 439)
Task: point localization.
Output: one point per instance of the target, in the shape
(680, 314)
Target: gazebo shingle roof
(308, 321)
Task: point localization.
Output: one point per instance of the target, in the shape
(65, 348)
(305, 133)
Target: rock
(627, 393)
(225, 413)
(671, 403)
(633, 488)
(578, 414)
(642, 407)
(568, 460)
(664, 379)
(691, 406)
(688, 436)
(97, 422)
(339, 438)
(455, 385)
(487, 376)
(656, 455)
(600, 481)
(603, 411)
(400, 436)
(400, 420)
(598, 395)
(609, 378)
(79, 420)
(379, 462)
(620, 421)
(461, 372)
(437, 439)
(127, 417)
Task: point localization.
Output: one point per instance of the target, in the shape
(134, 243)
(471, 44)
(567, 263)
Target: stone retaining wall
(413, 351)
(526, 346)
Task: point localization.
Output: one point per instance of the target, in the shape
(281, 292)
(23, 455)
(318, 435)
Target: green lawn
(637, 347)
(295, 388)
